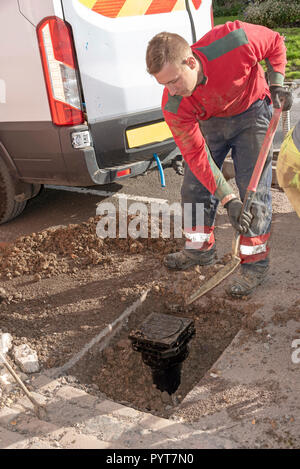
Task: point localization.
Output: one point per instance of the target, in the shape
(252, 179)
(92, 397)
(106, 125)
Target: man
(219, 85)
(288, 167)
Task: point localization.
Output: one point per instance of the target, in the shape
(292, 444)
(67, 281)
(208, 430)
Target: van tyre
(9, 207)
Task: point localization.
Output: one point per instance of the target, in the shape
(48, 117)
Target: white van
(77, 106)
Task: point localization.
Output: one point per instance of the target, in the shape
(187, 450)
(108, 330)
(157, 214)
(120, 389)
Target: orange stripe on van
(161, 6)
(197, 3)
(115, 8)
(108, 8)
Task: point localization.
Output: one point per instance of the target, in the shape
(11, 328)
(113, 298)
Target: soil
(62, 286)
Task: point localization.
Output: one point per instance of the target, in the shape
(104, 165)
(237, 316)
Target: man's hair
(166, 48)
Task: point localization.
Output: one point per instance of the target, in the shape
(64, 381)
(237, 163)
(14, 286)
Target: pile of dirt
(66, 249)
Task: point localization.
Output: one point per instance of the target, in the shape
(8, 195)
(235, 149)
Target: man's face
(179, 80)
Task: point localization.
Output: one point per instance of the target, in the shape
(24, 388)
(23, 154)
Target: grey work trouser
(243, 134)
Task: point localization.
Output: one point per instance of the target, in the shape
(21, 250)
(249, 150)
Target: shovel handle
(259, 165)
(261, 159)
(20, 382)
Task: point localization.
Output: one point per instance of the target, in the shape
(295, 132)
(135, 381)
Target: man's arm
(269, 45)
(190, 141)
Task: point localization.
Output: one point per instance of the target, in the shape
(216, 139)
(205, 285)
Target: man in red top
(215, 99)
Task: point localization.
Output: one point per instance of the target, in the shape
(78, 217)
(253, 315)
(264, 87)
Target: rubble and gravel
(66, 249)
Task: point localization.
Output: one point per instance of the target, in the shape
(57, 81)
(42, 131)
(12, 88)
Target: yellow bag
(288, 171)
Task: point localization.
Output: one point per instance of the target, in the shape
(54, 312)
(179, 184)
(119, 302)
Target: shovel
(249, 196)
(39, 409)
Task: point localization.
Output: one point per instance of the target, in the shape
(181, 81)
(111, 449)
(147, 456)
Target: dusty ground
(62, 286)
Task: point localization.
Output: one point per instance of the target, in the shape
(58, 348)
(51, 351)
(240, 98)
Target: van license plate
(148, 134)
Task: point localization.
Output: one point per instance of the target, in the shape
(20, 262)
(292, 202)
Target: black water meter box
(162, 335)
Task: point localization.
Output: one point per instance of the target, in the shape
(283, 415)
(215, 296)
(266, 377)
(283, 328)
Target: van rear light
(59, 64)
(124, 172)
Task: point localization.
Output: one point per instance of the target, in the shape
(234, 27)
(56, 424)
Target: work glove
(234, 208)
(279, 94)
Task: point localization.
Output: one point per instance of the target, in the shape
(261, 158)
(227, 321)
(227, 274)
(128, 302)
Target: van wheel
(9, 207)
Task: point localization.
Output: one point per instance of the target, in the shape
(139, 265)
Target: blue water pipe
(161, 171)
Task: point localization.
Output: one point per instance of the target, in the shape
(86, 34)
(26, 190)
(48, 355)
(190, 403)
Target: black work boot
(250, 277)
(186, 258)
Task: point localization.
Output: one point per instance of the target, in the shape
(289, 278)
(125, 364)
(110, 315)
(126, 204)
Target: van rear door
(122, 100)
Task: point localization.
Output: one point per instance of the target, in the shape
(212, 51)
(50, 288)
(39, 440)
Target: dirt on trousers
(63, 286)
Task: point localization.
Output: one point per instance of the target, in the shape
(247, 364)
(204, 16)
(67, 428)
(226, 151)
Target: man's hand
(279, 95)
(234, 208)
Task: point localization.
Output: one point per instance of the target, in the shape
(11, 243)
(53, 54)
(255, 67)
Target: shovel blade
(216, 279)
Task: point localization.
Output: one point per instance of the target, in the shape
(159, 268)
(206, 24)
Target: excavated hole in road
(57, 315)
(120, 373)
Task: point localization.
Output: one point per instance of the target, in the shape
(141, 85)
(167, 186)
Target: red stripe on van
(108, 8)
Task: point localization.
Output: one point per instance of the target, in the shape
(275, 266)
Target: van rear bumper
(105, 176)
(40, 152)
(83, 167)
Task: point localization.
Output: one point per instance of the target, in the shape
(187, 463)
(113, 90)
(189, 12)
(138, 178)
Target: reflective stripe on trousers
(254, 249)
(199, 237)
